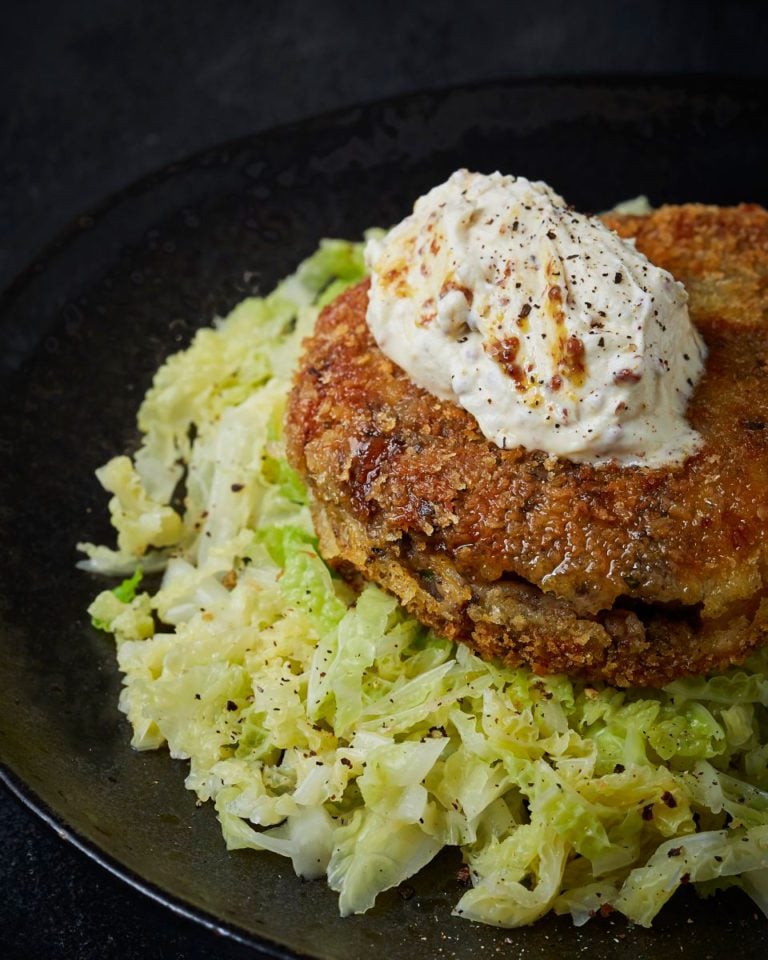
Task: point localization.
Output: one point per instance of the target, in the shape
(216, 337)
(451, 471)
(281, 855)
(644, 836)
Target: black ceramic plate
(83, 330)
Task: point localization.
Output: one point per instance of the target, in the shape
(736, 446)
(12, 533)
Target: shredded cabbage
(335, 730)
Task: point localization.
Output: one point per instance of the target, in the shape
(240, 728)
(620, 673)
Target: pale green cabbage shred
(337, 731)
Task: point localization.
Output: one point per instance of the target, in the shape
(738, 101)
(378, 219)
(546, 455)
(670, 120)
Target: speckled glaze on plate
(83, 330)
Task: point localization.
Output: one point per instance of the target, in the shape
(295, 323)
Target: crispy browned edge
(632, 576)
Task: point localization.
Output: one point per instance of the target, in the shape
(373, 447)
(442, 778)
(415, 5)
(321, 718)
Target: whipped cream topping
(546, 326)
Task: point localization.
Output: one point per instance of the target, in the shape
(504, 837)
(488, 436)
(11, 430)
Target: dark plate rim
(65, 831)
(698, 83)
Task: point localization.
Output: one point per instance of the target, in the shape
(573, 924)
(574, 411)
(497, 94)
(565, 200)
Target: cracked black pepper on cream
(546, 326)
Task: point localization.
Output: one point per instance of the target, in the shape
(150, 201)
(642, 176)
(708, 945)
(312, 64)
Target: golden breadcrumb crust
(626, 574)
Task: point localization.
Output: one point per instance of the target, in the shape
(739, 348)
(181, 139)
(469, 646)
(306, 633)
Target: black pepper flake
(525, 310)
(619, 768)
(346, 761)
(237, 487)
(231, 705)
(198, 697)
(647, 812)
(551, 234)
(675, 852)
(669, 799)
(617, 278)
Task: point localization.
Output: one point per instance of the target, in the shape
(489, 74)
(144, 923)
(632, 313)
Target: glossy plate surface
(83, 330)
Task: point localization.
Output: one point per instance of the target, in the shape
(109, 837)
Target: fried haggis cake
(631, 575)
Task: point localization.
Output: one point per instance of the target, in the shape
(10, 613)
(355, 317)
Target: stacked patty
(625, 574)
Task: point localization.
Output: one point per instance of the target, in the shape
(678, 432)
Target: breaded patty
(631, 575)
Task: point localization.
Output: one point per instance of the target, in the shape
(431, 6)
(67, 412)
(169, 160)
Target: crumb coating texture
(631, 575)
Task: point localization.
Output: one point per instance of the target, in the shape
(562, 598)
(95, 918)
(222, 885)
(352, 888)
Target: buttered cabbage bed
(332, 728)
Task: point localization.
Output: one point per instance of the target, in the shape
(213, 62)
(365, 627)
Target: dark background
(96, 93)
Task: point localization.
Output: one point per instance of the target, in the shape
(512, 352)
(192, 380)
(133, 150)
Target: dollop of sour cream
(546, 326)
